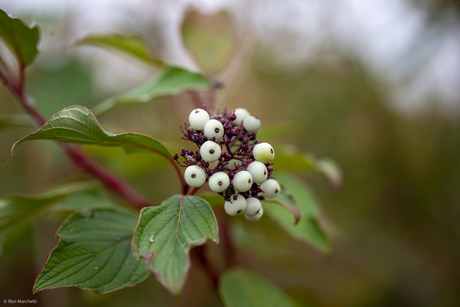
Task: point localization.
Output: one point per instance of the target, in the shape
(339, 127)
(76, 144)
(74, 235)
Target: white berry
(194, 176)
(235, 206)
(258, 171)
(253, 206)
(263, 152)
(251, 124)
(210, 151)
(213, 128)
(242, 181)
(219, 181)
(198, 119)
(241, 114)
(271, 188)
(256, 217)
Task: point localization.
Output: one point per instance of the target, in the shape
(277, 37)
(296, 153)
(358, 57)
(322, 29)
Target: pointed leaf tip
(19, 37)
(172, 81)
(78, 125)
(307, 229)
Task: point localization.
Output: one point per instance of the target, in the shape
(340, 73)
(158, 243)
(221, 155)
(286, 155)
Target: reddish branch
(110, 180)
(200, 253)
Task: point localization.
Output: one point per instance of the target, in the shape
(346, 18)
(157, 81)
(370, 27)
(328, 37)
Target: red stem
(110, 180)
(227, 242)
(179, 173)
(213, 276)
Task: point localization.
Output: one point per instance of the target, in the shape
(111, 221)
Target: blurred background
(372, 84)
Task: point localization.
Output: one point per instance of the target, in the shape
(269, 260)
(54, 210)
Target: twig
(213, 276)
(227, 242)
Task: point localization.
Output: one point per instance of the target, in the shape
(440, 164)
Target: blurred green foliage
(393, 223)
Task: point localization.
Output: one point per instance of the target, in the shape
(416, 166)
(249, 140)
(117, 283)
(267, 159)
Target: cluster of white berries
(235, 164)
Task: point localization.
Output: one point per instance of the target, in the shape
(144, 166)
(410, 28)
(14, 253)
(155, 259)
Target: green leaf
(129, 44)
(290, 159)
(166, 233)
(17, 211)
(19, 37)
(240, 288)
(278, 130)
(307, 229)
(18, 207)
(171, 81)
(210, 39)
(15, 121)
(331, 170)
(76, 124)
(94, 253)
(285, 200)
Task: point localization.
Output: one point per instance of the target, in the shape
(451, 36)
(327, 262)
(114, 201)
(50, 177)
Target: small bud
(195, 137)
(251, 136)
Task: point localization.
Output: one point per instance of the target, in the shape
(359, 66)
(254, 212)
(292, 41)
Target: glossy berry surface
(258, 171)
(194, 176)
(219, 182)
(198, 119)
(253, 206)
(264, 153)
(242, 181)
(256, 217)
(271, 188)
(251, 124)
(210, 151)
(241, 114)
(235, 206)
(213, 128)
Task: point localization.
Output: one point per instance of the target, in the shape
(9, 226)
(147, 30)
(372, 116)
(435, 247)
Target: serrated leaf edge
(59, 242)
(187, 249)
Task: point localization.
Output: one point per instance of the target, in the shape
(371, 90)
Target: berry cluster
(235, 164)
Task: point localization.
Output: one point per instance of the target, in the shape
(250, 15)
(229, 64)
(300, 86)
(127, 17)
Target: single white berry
(258, 171)
(263, 152)
(241, 114)
(242, 181)
(194, 176)
(253, 206)
(198, 119)
(213, 128)
(210, 151)
(235, 206)
(256, 217)
(219, 181)
(271, 188)
(251, 124)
